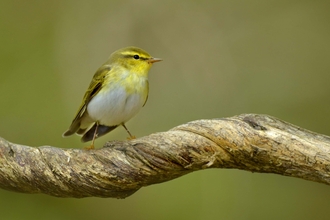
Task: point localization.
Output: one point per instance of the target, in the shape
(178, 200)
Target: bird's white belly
(114, 107)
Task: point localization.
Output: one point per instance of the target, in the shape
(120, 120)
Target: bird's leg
(131, 137)
(95, 133)
(94, 137)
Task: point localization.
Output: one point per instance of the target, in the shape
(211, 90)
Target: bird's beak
(154, 60)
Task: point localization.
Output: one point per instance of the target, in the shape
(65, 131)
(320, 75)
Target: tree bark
(256, 143)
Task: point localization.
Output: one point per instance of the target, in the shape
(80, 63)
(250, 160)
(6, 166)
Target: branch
(256, 143)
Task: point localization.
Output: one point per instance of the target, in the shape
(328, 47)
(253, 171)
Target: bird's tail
(101, 130)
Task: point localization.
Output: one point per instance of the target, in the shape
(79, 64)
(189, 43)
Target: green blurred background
(221, 58)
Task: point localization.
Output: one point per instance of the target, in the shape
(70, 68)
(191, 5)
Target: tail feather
(81, 131)
(68, 133)
(72, 129)
(101, 130)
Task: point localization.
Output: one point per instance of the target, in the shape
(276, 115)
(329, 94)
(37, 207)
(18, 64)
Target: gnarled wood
(251, 142)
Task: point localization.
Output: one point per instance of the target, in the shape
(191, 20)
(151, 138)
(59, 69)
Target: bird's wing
(147, 95)
(94, 87)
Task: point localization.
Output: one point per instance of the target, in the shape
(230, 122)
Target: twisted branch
(256, 143)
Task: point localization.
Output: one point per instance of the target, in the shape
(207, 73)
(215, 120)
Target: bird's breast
(117, 102)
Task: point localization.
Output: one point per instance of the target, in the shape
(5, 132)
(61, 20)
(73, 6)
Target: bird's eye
(136, 57)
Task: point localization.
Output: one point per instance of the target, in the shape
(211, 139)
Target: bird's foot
(90, 147)
(131, 138)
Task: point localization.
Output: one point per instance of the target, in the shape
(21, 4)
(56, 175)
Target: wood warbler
(119, 89)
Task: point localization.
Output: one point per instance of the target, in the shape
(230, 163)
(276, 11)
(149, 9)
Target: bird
(117, 92)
